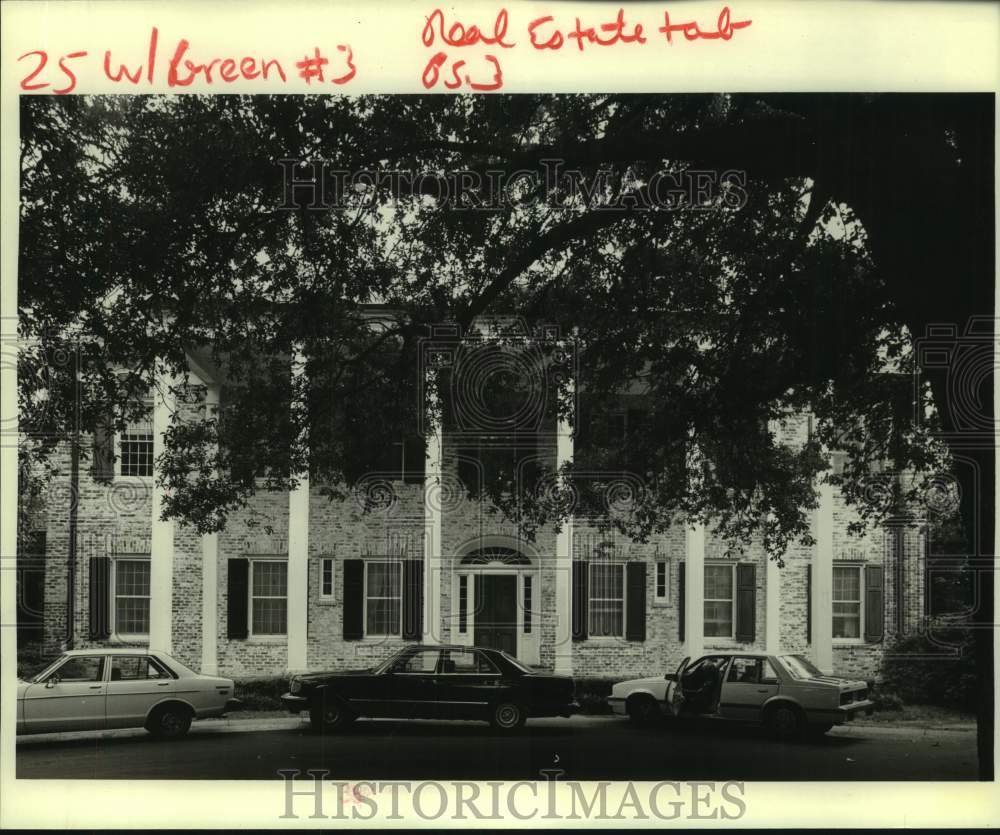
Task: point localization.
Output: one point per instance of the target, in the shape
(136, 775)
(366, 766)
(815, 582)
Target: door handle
(162, 684)
(764, 690)
(96, 686)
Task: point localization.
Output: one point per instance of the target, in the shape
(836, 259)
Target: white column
(564, 560)
(772, 613)
(433, 500)
(210, 575)
(822, 581)
(694, 591)
(298, 546)
(161, 547)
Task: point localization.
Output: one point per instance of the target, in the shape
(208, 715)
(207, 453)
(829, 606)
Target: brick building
(333, 587)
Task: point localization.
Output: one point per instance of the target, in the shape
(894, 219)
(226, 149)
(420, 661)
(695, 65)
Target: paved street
(586, 748)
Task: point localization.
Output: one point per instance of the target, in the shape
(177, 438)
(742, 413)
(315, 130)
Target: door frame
(527, 645)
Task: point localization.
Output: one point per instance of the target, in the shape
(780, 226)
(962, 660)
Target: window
(463, 603)
(661, 582)
(423, 662)
(326, 578)
(466, 662)
(383, 598)
(847, 602)
(719, 587)
(135, 453)
(527, 604)
(135, 668)
(268, 597)
(744, 671)
(81, 668)
(131, 597)
(607, 600)
(768, 675)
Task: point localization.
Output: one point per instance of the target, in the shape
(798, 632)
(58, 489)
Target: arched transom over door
(496, 601)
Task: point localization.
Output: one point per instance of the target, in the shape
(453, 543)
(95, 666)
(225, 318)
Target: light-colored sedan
(784, 692)
(95, 689)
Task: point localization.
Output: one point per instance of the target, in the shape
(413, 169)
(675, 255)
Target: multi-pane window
(847, 602)
(269, 597)
(661, 581)
(463, 603)
(719, 601)
(132, 597)
(326, 578)
(383, 598)
(607, 599)
(135, 454)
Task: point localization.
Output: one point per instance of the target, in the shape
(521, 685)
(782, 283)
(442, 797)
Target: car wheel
(170, 722)
(785, 721)
(329, 715)
(643, 710)
(507, 716)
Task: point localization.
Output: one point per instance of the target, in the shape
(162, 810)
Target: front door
(496, 612)
(749, 683)
(71, 698)
(409, 690)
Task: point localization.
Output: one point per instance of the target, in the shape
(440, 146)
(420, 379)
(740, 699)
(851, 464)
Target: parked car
(94, 689)
(784, 692)
(434, 682)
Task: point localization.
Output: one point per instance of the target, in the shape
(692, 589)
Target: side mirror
(51, 681)
(671, 676)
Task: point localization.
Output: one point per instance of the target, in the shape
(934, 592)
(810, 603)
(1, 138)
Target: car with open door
(784, 692)
(105, 688)
(433, 682)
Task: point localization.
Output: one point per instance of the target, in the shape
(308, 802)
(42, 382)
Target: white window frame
(860, 569)
(731, 637)
(661, 599)
(590, 600)
(327, 597)
(383, 635)
(118, 448)
(113, 594)
(265, 636)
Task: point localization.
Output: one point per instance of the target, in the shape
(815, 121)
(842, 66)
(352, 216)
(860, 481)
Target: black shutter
(635, 602)
(354, 600)
(238, 599)
(809, 603)
(874, 604)
(413, 599)
(100, 597)
(681, 610)
(103, 460)
(746, 603)
(580, 599)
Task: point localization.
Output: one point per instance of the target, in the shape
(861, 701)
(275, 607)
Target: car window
(799, 667)
(768, 675)
(744, 671)
(512, 660)
(465, 661)
(424, 661)
(82, 668)
(135, 668)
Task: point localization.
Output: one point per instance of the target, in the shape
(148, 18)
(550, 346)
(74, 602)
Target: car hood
(641, 682)
(325, 676)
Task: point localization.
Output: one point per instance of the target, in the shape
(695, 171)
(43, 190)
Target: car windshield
(799, 667)
(522, 667)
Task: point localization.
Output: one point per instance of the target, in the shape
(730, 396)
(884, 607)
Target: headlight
(296, 686)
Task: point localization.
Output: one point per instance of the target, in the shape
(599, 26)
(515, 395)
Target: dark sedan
(434, 682)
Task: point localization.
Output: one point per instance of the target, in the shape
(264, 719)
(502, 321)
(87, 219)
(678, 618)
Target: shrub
(32, 659)
(261, 692)
(919, 671)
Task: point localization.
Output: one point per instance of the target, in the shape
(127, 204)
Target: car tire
(329, 715)
(169, 722)
(643, 710)
(785, 722)
(507, 716)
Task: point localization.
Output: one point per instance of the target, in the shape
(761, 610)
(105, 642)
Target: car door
(465, 682)
(748, 684)
(70, 698)
(409, 686)
(136, 683)
(674, 697)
